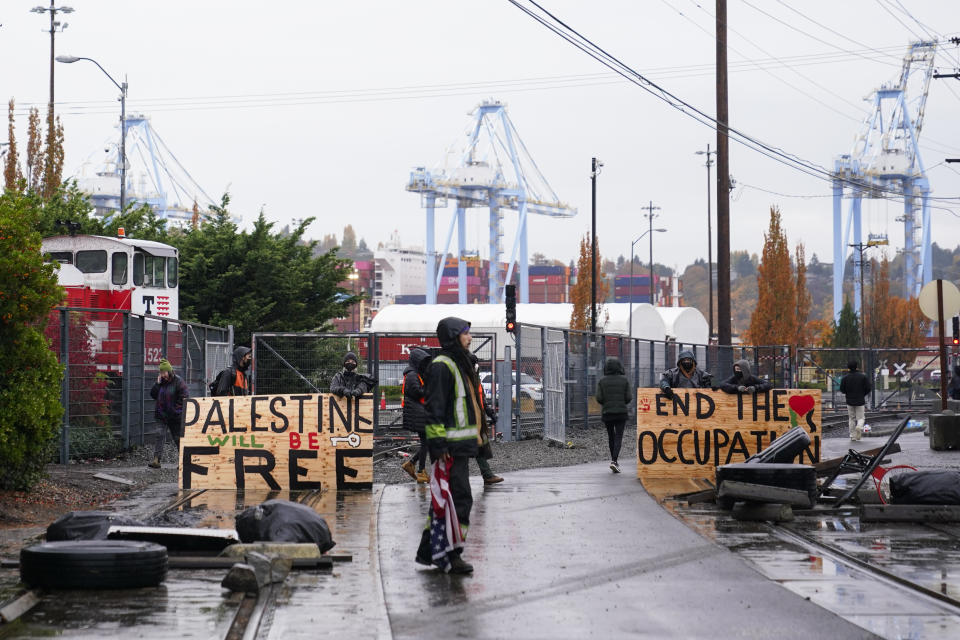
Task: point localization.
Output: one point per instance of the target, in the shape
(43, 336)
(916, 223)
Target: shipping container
(411, 298)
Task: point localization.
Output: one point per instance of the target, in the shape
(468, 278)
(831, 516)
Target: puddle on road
(921, 554)
(191, 603)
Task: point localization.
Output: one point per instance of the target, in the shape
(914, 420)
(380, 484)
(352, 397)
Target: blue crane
(885, 163)
(494, 171)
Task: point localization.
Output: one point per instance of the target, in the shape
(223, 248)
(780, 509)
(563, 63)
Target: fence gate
(554, 420)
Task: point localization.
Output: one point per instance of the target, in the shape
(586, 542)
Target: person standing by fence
(169, 391)
(414, 411)
(855, 386)
(614, 394)
(234, 381)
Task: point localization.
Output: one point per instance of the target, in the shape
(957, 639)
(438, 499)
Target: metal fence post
(124, 384)
(587, 344)
(143, 376)
(65, 384)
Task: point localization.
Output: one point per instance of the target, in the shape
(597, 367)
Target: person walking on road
(953, 389)
(414, 411)
(743, 381)
(169, 391)
(614, 395)
(686, 375)
(485, 452)
(348, 383)
(855, 386)
(454, 421)
(234, 381)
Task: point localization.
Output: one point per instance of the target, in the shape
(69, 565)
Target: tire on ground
(93, 564)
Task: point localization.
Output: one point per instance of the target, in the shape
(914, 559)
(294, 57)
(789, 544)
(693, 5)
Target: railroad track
(792, 534)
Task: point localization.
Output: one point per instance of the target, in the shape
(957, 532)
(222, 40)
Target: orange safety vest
(403, 396)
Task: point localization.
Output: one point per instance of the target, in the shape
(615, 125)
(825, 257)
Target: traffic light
(956, 330)
(511, 301)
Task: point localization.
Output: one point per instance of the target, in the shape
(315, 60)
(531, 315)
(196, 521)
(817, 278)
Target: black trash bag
(284, 521)
(925, 487)
(87, 525)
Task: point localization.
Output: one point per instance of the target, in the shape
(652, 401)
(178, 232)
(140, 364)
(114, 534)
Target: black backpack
(212, 387)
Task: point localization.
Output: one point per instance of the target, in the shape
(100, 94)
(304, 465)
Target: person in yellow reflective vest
(454, 420)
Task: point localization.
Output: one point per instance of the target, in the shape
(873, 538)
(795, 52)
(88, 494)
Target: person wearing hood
(614, 395)
(455, 421)
(686, 375)
(855, 386)
(953, 389)
(169, 391)
(415, 412)
(485, 452)
(348, 383)
(234, 381)
(743, 381)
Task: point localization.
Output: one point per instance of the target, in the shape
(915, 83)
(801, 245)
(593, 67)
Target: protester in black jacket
(234, 381)
(414, 411)
(686, 375)
(953, 389)
(614, 394)
(169, 391)
(855, 386)
(348, 383)
(743, 381)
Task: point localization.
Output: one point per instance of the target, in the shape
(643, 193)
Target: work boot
(155, 463)
(457, 565)
(422, 477)
(408, 467)
(492, 479)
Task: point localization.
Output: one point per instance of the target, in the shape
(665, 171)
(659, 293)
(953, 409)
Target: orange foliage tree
(580, 292)
(774, 320)
(891, 321)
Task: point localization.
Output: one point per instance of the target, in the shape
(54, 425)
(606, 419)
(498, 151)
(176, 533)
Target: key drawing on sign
(353, 440)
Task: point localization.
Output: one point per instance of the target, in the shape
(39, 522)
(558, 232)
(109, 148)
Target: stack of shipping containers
(640, 291)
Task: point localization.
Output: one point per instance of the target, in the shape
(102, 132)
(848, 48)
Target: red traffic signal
(956, 330)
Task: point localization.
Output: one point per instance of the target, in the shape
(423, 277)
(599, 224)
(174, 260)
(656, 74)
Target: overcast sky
(322, 108)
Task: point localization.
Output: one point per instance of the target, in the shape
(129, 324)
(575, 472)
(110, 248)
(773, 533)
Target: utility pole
(650, 215)
(594, 171)
(724, 335)
(54, 24)
(709, 244)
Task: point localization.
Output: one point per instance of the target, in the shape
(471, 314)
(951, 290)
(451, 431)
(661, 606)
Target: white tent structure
(685, 325)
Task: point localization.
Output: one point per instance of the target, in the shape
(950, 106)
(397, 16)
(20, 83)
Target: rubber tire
(93, 564)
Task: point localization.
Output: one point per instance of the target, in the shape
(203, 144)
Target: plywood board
(688, 435)
(282, 442)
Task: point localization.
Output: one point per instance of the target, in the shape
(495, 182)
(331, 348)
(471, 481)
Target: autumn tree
(774, 319)
(349, 239)
(580, 293)
(891, 321)
(34, 150)
(52, 155)
(11, 168)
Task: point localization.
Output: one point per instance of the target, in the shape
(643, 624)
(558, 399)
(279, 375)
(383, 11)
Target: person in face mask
(742, 381)
(686, 375)
(348, 383)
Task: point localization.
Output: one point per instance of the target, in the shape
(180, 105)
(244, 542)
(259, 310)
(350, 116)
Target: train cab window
(119, 268)
(138, 269)
(172, 273)
(92, 261)
(153, 267)
(63, 257)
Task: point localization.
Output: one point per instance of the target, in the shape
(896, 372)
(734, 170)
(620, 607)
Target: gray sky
(322, 108)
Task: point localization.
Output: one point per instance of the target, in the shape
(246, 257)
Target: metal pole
(650, 231)
(630, 328)
(943, 347)
(123, 146)
(593, 245)
(709, 251)
(53, 14)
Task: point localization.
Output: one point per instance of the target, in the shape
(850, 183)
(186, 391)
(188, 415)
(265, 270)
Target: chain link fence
(110, 361)
(306, 363)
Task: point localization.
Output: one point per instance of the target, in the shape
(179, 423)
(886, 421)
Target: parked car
(530, 387)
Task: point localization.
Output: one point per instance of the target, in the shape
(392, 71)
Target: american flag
(445, 533)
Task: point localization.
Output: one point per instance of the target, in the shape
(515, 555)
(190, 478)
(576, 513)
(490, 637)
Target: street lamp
(53, 10)
(709, 164)
(595, 166)
(123, 124)
(632, 245)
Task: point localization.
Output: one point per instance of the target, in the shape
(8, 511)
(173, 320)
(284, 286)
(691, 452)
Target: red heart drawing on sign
(802, 404)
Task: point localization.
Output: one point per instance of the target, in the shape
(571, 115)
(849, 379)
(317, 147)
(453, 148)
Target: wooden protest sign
(688, 435)
(291, 442)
